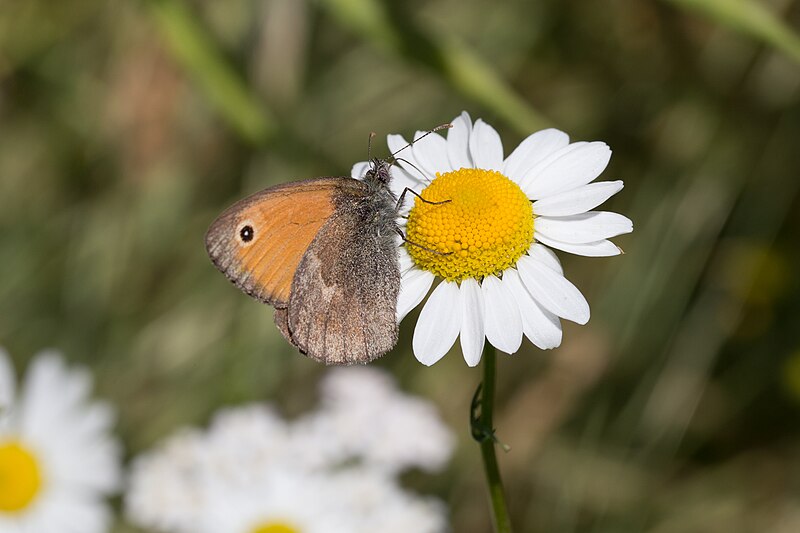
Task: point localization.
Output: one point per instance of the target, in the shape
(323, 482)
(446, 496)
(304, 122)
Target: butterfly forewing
(259, 241)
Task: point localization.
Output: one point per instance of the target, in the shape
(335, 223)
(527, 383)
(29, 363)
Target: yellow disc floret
(276, 527)
(20, 478)
(483, 228)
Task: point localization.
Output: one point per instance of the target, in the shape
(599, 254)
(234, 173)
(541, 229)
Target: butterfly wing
(259, 241)
(343, 303)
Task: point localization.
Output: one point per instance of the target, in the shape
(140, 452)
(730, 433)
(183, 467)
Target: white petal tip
(582, 320)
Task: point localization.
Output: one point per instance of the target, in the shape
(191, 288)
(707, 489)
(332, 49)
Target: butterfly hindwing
(344, 294)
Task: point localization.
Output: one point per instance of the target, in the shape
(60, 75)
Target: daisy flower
(244, 475)
(363, 416)
(355, 500)
(166, 488)
(58, 460)
(490, 241)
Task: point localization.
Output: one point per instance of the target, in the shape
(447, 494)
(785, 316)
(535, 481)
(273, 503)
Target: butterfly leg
(412, 243)
(415, 193)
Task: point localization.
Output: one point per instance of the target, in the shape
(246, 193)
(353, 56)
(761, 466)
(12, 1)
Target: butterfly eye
(246, 233)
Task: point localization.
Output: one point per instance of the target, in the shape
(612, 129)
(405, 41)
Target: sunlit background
(126, 127)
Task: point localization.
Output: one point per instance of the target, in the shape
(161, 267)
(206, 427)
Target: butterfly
(324, 253)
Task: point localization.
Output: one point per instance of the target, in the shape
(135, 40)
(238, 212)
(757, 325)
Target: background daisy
(334, 470)
(354, 500)
(364, 416)
(58, 460)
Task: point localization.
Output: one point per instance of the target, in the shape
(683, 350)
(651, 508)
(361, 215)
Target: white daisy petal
(414, 285)
(401, 179)
(46, 379)
(458, 142)
(486, 147)
(359, 170)
(405, 179)
(532, 150)
(67, 435)
(532, 172)
(577, 200)
(404, 260)
(503, 320)
(546, 256)
(404, 155)
(473, 335)
(438, 325)
(604, 248)
(572, 167)
(431, 152)
(553, 291)
(542, 327)
(586, 227)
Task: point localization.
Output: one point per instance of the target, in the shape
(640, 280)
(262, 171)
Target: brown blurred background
(126, 126)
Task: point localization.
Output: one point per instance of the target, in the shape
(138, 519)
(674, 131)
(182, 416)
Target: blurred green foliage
(125, 127)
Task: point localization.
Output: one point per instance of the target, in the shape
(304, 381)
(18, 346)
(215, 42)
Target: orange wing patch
(258, 242)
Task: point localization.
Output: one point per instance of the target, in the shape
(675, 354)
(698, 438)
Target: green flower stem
(483, 432)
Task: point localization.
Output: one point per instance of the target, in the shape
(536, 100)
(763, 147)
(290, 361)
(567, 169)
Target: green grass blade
(751, 18)
(395, 33)
(192, 46)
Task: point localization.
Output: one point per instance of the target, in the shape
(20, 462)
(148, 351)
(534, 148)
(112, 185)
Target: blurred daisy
(355, 500)
(489, 242)
(166, 488)
(363, 416)
(58, 460)
(252, 472)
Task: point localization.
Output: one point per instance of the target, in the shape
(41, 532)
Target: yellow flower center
(483, 229)
(276, 527)
(20, 478)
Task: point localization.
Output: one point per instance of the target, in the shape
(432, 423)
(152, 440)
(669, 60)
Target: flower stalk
(481, 422)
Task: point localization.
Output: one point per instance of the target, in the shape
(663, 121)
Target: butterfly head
(379, 172)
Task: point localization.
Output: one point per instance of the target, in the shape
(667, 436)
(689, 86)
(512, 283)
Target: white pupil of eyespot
(246, 233)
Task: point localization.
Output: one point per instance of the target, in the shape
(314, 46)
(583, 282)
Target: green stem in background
(750, 17)
(194, 48)
(481, 421)
(390, 27)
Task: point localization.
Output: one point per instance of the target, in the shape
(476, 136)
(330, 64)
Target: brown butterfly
(323, 252)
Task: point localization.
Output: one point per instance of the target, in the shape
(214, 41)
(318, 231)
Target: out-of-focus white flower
(251, 472)
(363, 416)
(169, 486)
(381, 505)
(279, 501)
(354, 500)
(58, 460)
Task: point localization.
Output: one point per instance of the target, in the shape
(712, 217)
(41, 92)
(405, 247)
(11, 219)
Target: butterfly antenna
(437, 128)
(372, 134)
(421, 173)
